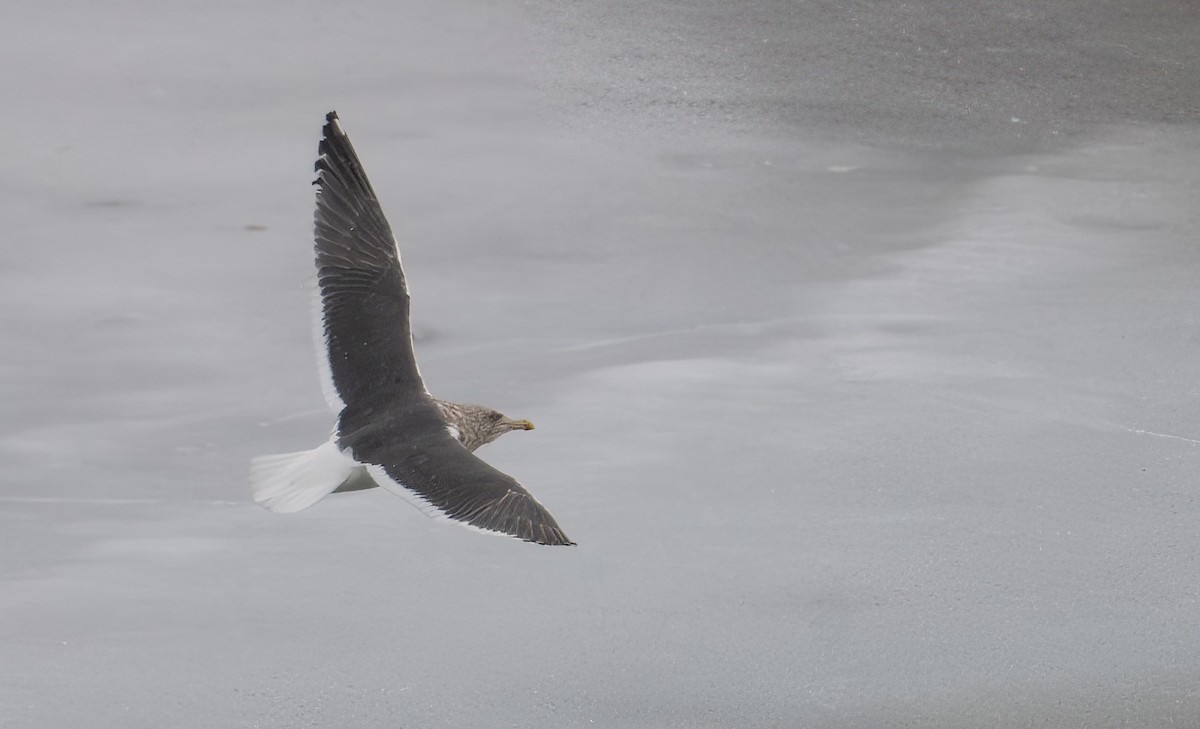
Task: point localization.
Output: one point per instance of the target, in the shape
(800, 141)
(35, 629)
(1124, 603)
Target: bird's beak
(520, 425)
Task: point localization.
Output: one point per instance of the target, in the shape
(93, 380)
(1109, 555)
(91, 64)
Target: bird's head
(493, 425)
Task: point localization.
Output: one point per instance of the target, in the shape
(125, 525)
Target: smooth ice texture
(861, 338)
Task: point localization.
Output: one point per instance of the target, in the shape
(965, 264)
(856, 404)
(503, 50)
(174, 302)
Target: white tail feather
(288, 482)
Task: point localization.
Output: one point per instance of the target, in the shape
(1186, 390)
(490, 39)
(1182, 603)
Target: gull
(390, 431)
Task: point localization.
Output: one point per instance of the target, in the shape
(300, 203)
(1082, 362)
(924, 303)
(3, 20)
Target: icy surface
(861, 340)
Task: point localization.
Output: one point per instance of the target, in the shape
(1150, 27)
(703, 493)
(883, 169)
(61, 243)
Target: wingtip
(333, 125)
(550, 536)
(558, 541)
(329, 136)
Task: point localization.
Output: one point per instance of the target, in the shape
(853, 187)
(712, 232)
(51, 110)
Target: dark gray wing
(431, 465)
(364, 298)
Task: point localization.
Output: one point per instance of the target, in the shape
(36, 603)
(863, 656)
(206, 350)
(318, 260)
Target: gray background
(861, 338)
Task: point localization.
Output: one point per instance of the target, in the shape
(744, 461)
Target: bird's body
(390, 431)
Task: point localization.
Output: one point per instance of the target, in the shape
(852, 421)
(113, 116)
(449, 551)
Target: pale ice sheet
(849, 435)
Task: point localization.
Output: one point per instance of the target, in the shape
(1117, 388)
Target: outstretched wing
(431, 469)
(386, 419)
(363, 317)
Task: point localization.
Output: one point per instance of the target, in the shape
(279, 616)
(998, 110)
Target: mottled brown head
(475, 425)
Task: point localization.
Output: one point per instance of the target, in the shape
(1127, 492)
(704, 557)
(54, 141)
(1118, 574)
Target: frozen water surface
(861, 342)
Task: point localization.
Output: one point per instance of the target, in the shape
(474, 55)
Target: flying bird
(390, 431)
